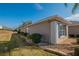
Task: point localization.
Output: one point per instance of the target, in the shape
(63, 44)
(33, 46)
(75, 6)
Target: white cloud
(38, 6)
(74, 17)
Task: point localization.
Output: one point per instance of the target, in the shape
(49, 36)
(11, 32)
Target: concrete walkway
(65, 48)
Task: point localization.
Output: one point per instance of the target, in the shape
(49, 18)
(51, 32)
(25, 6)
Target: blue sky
(12, 15)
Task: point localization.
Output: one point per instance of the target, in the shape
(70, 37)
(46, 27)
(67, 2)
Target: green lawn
(30, 51)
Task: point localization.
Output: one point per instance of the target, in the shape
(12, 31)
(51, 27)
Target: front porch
(59, 32)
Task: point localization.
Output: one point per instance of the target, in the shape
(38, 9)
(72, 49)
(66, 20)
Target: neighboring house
(1, 27)
(4, 28)
(74, 27)
(22, 28)
(54, 29)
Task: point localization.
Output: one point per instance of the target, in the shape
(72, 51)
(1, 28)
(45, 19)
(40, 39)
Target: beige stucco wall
(54, 32)
(49, 30)
(74, 29)
(42, 28)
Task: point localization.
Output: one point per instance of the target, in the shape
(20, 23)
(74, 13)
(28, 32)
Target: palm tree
(75, 6)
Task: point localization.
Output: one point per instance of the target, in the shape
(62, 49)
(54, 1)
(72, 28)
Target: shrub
(36, 38)
(12, 44)
(76, 51)
(3, 47)
(18, 31)
(78, 40)
(15, 30)
(24, 33)
(77, 36)
(70, 35)
(29, 36)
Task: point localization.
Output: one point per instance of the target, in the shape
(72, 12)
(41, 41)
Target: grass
(18, 47)
(5, 35)
(30, 51)
(27, 51)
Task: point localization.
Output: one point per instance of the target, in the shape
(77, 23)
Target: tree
(26, 23)
(75, 6)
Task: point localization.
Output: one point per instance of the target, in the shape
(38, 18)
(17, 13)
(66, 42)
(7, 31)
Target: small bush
(71, 36)
(25, 34)
(12, 44)
(18, 31)
(77, 36)
(22, 33)
(78, 40)
(76, 51)
(36, 38)
(14, 30)
(28, 36)
(3, 47)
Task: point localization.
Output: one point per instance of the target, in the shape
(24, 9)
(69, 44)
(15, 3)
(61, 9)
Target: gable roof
(52, 18)
(74, 23)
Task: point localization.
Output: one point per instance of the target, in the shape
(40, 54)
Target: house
(54, 29)
(22, 28)
(1, 27)
(4, 28)
(74, 27)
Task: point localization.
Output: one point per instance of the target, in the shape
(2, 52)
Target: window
(61, 30)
